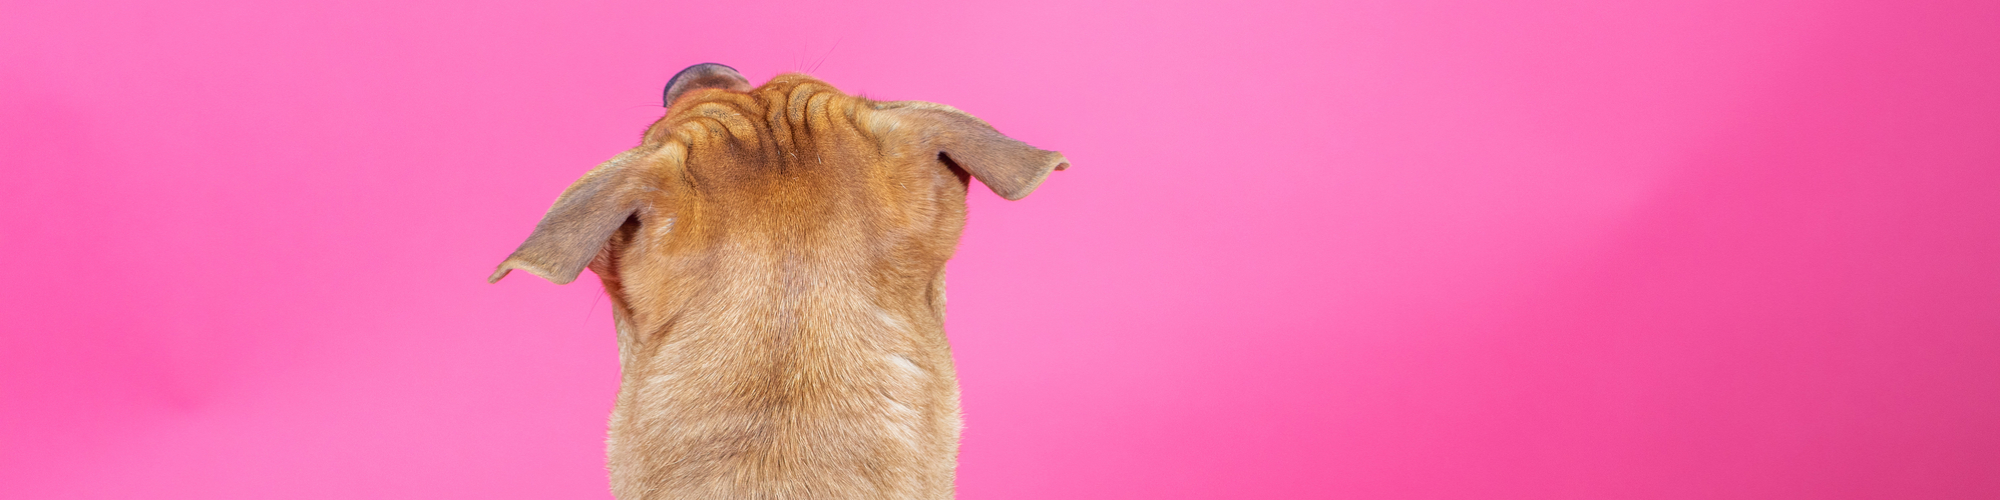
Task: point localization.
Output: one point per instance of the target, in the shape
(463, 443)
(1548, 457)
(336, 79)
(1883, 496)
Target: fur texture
(775, 261)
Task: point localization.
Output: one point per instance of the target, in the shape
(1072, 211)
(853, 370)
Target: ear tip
(554, 277)
(1015, 192)
(1056, 158)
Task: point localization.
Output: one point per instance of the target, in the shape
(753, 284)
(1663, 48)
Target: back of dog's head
(789, 194)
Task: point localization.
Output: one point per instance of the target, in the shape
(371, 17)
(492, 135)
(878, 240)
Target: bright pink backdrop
(1425, 249)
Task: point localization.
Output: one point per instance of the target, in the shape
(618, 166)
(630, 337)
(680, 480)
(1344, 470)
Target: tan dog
(775, 260)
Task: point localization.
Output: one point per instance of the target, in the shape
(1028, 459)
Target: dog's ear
(703, 76)
(583, 218)
(1009, 167)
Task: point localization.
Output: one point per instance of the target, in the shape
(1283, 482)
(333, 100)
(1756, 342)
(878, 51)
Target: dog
(775, 260)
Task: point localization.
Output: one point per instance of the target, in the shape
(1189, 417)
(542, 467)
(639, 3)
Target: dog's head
(750, 184)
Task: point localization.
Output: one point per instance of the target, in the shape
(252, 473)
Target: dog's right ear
(583, 218)
(1011, 168)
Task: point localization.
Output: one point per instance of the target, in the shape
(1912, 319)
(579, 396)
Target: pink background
(1412, 249)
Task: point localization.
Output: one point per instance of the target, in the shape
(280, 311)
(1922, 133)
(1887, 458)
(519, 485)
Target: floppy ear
(583, 218)
(1010, 167)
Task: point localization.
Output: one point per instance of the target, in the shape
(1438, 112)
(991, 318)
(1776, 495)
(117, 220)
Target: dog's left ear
(1011, 168)
(583, 218)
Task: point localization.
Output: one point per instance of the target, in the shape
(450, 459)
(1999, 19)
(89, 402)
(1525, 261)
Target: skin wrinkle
(778, 287)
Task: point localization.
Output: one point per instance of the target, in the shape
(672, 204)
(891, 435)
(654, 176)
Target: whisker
(829, 53)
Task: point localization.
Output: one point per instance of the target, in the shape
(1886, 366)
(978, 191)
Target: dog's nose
(703, 76)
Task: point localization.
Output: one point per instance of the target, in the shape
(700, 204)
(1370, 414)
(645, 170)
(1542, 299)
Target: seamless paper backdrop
(1426, 249)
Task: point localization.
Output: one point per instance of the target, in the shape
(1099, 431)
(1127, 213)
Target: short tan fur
(775, 261)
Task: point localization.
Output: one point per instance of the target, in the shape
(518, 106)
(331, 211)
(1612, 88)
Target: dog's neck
(803, 304)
